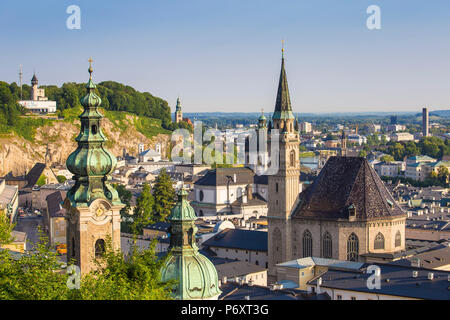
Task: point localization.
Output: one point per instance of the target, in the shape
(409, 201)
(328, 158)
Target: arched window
(201, 195)
(292, 159)
(327, 246)
(398, 239)
(276, 246)
(201, 213)
(94, 129)
(99, 248)
(307, 244)
(379, 241)
(352, 247)
(276, 187)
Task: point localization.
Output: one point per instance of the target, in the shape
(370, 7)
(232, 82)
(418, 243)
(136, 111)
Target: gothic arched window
(379, 241)
(352, 247)
(276, 246)
(398, 239)
(201, 195)
(307, 244)
(327, 246)
(99, 248)
(292, 159)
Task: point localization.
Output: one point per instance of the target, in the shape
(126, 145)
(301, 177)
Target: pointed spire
(283, 108)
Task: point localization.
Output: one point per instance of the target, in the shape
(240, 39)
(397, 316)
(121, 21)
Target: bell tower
(93, 205)
(284, 185)
(178, 112)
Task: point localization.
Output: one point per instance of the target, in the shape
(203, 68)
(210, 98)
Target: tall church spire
(283, 108)
(91, 163)
(93, 205)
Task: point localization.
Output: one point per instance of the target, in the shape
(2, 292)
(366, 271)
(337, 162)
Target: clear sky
(224, 55)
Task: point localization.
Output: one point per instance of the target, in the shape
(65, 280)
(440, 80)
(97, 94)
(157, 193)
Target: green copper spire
(262, 121)
(178, 107)
(195, 274)
(91, 163)
(283, 109)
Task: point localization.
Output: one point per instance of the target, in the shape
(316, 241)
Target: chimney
(249, 192)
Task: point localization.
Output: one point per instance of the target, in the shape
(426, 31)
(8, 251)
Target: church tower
(195, 274)
(93, 205)
(284, 185)
(178, 112)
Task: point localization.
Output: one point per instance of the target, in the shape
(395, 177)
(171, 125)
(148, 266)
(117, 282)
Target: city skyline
(226, 56)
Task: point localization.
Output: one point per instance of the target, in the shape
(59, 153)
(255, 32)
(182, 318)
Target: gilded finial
(90, 66)
(282, 47)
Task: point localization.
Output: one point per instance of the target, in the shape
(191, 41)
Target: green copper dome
(91, 163)
(195, 275)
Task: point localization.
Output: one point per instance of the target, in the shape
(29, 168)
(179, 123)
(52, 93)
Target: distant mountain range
(218, 115)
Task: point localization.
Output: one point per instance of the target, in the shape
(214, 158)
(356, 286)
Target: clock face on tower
(99, 212)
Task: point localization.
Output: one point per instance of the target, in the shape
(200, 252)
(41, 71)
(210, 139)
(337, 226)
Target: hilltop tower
(93, 205)
(195, 274)
(178, 112)
(284, 186)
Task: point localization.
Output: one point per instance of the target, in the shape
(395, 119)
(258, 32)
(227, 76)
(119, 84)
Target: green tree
(164, 194)
(61, 179)
(135, 277)
(387, 158)
(42, 180)
(363, 153)
(143, 212)
(34, 276)
(443, 174)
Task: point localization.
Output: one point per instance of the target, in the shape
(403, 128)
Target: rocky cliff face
(54, 142)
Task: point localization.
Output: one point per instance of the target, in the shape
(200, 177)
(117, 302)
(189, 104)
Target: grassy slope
(26, 126)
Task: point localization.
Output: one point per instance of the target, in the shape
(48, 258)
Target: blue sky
(225, 55)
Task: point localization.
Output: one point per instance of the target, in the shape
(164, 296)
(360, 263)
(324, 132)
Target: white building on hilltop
(39, 103)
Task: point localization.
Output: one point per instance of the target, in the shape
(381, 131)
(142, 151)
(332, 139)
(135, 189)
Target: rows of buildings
(235, 234)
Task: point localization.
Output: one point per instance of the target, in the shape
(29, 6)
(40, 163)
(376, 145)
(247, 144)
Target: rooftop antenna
(20, 80)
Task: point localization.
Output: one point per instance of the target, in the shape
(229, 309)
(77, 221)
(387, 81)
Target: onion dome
(91, 163)
(195, 275)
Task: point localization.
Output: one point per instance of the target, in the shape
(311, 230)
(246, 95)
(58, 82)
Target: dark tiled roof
(257, 200)
(54, 207)
(233, 291)
(218, 177)
(395, 281)
(237, 269)
(346, 181)
(160, 226)
(239, 239)
(33, 176)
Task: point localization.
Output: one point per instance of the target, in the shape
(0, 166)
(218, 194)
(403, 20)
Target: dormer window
(351, 212)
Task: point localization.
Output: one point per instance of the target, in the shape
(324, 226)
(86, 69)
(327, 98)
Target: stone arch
(379, 241)
(327, 245)
(398, 239)
(352, 247)
(100, 248)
